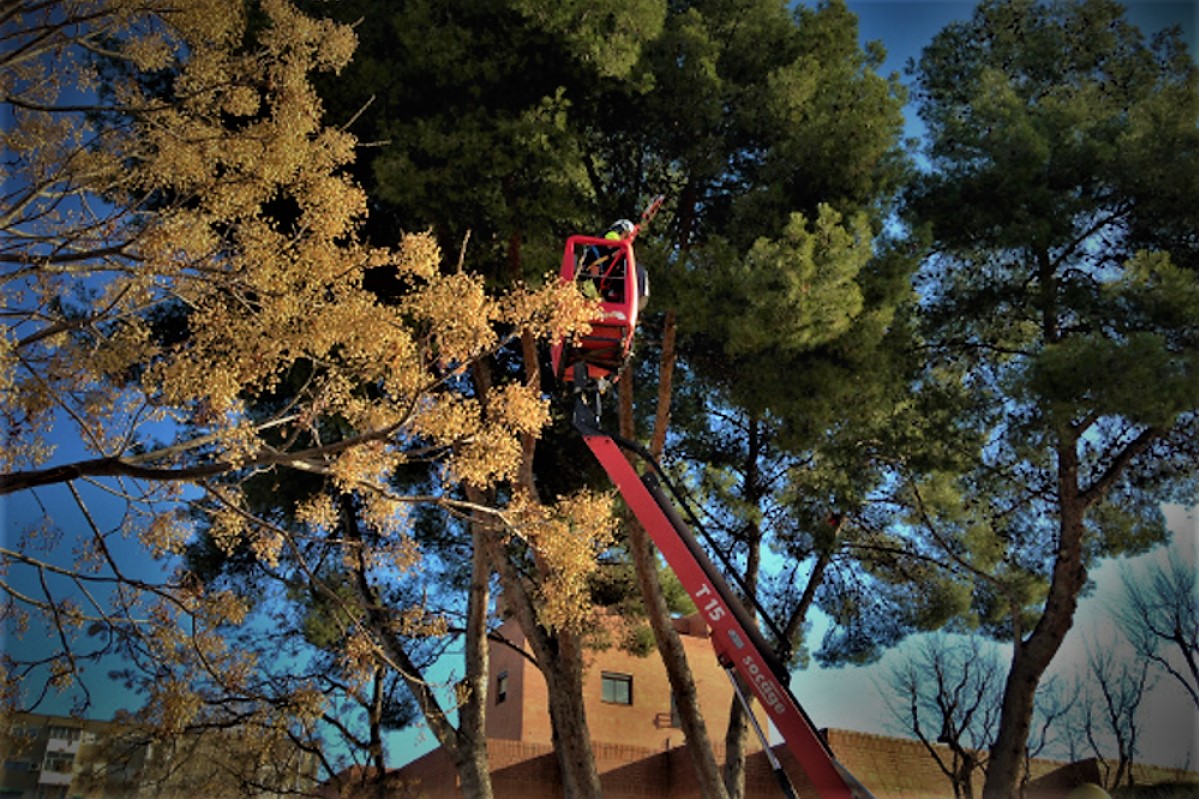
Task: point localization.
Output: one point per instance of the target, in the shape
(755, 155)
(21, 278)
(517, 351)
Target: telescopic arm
(735, 638)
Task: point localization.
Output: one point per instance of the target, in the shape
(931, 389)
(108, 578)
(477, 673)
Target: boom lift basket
(606, 270)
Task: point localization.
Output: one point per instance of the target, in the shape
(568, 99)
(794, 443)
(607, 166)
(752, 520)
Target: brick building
(639, 747)
(627, 698)
(640, 752)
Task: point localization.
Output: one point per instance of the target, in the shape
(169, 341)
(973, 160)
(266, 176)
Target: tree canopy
(277, 289)
(1064, 159)
(186, 319)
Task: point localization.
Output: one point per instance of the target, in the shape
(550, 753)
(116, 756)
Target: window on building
(501, 687)
(59, 762)
(65, 733)
(616, 688)
(17, 765)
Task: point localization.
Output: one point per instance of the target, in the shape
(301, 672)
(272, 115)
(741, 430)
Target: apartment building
(59, 757)
(44, 755)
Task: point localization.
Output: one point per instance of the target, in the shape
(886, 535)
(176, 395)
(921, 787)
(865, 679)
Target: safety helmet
(622, 226)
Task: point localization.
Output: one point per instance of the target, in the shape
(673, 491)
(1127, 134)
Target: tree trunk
(572, 739)
(670, 648)
(1031, 656)
(752, 492)
(375, 743)
(473, 764)
(678, 671)
(559, 656)
(734, 745)
(466, 745)
(657, 443)
(963, 772)
(559, 653)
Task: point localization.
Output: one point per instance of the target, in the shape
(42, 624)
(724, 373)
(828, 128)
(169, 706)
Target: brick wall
(524, 715)
(891, 768)
(895, 768)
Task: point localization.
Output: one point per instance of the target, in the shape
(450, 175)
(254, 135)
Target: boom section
(735, 637)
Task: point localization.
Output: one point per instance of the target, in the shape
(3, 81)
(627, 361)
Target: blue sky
(905, 26)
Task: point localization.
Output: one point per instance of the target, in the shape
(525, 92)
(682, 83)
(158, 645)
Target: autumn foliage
(184, 309)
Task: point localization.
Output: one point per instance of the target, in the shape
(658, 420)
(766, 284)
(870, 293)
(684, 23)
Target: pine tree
(1061, 200)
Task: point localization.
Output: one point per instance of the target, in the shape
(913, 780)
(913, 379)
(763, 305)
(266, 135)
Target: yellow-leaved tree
(185, 326)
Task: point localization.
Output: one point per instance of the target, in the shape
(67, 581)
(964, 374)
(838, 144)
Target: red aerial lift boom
(736, 639)
(738, 643)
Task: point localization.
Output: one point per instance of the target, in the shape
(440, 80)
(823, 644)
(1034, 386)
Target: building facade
(640, 750)
(60, 757)
(627, 697)
(45, 757)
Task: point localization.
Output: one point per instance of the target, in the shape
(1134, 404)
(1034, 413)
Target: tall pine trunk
(1032, 655)
(752, 493)
(670, 647)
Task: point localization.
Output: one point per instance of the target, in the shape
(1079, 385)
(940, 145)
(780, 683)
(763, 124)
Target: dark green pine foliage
(1065, 170)
(1062, 200)
(470, 106)
(471, 117)
(779, 148)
